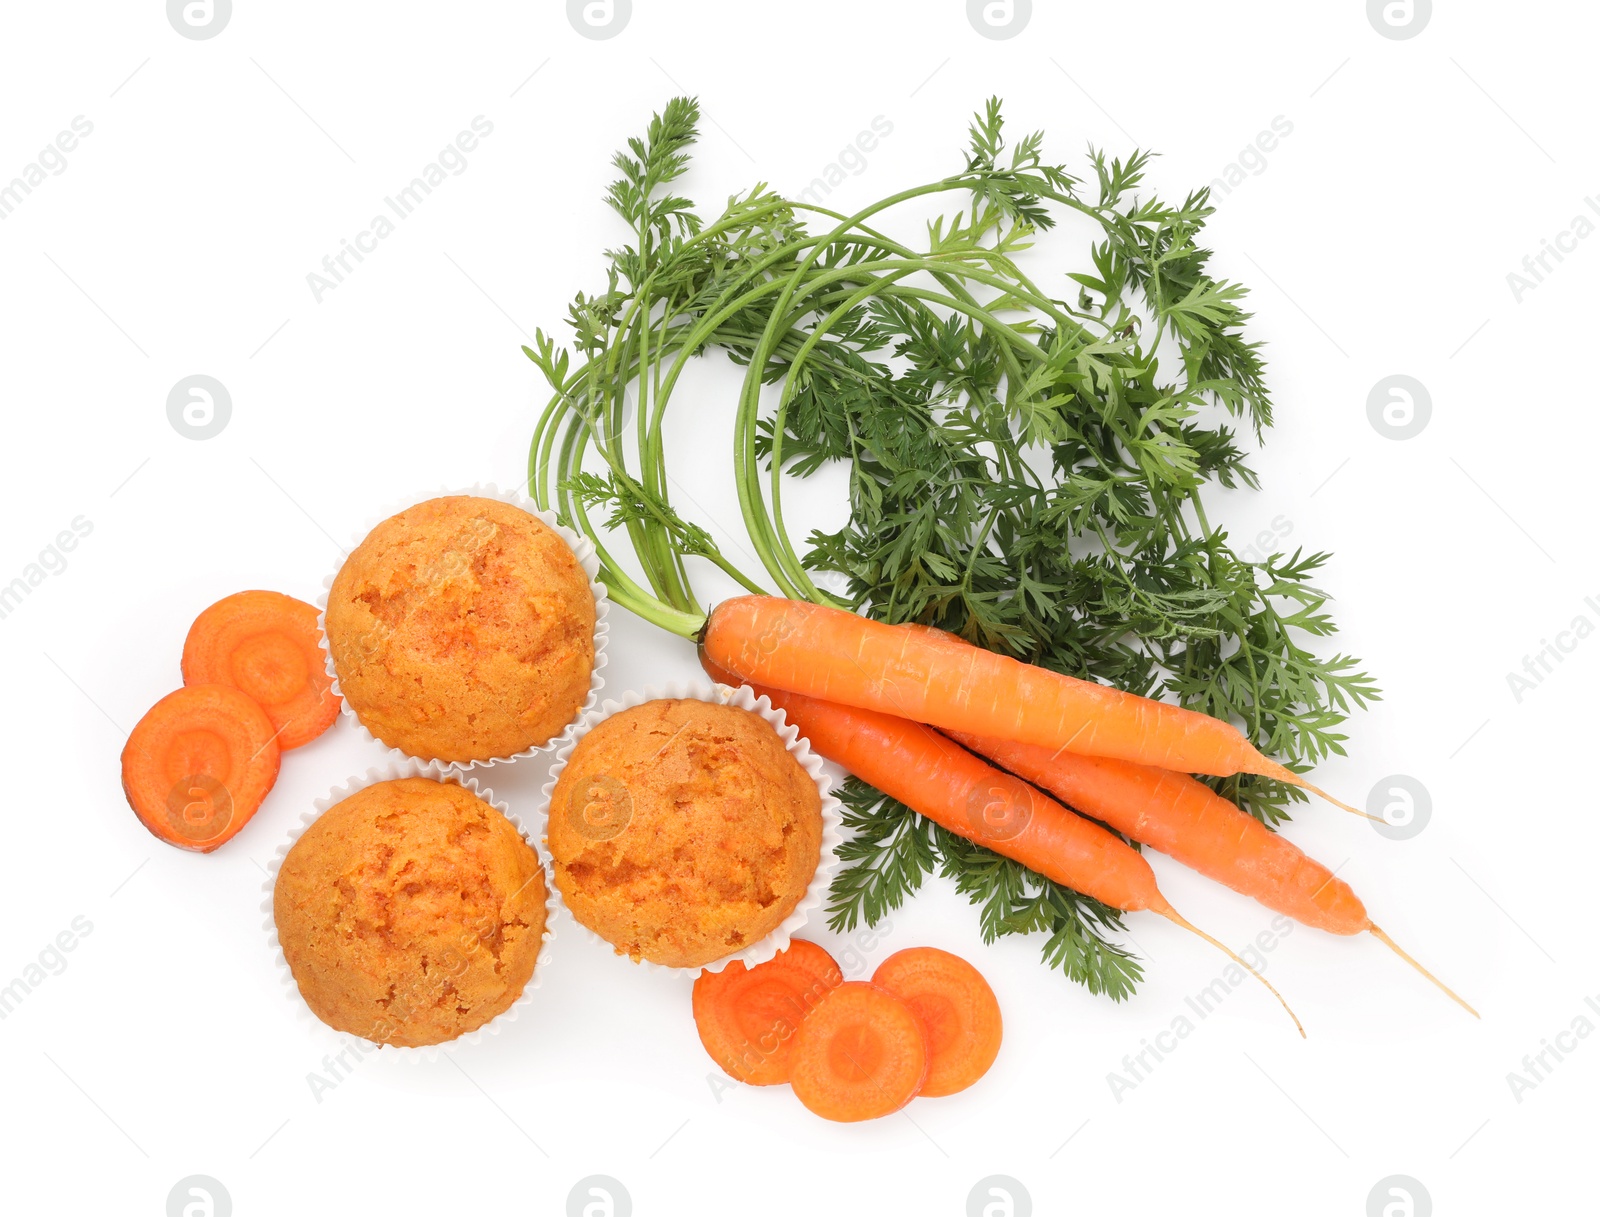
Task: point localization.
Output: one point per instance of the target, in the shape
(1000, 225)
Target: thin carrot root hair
(1271, 769)
(1173, 916)
(1355, 811)
(1396, 948)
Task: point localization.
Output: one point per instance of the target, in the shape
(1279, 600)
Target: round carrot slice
(859, 1055)
(198, 764)
(747, 1017)
(958, 1011)
(268, 646)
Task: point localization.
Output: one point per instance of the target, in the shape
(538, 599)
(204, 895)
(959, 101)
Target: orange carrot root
(1395, 947)
(939, 779)
(1187, 821)
(835, 656)
(1172, 915)
(936, 777)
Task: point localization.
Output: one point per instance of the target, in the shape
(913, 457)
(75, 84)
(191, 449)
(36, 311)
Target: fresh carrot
(198, 764)
(859, 1055)
(1188, 821)
(266, 645)
(747, 1017)
(936, 777)
(932, 677)
(958, 1011)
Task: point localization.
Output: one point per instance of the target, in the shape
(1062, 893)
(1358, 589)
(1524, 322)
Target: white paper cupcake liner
(832, 815)
(582, 548)
(409, 768)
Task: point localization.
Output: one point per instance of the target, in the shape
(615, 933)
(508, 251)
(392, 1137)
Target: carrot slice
(747, 1017)
(859, 1055)
(959, 1013)
(268, 646)
(198, 764)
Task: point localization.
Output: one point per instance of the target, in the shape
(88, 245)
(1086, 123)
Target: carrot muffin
(410, 913)
(683, 831)
(462, 629)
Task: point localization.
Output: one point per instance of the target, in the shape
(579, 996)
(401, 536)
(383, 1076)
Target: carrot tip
(1355, 811)
(1172, 915)
(1395, 947)
(1269, 768)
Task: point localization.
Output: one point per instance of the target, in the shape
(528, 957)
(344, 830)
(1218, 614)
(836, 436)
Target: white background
(1377, 238)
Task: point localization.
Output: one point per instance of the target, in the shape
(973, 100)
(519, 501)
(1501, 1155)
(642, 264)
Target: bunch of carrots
(200, 762)
(926, 1024)
(915, 711)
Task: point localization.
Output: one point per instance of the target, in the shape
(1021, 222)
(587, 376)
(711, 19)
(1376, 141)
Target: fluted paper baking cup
(582, 548)
(832, 814)
(394, 770)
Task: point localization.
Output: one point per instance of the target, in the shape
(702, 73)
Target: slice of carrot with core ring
(960, 1016)
(268, 646)
(859, 1055)
(747, 1017)
(198, 764)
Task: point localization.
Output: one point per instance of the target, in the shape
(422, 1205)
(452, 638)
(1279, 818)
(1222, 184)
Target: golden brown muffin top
(683, 831)
(462, 629)
(410, 913)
